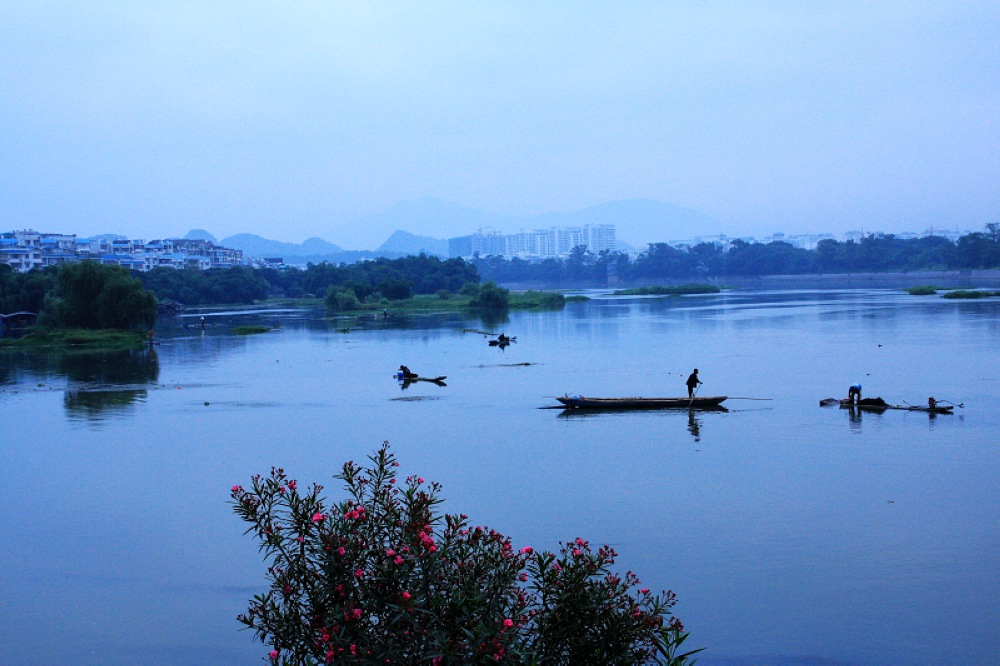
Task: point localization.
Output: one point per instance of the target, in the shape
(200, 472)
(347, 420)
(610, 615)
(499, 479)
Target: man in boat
(692, 383)
(854, 394)
(405, 371)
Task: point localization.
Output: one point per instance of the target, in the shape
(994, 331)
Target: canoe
(698, 402)
(938, 409)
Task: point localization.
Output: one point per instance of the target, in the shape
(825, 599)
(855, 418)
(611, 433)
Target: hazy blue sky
(293, 119)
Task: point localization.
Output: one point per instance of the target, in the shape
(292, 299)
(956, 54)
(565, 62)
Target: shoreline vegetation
(75, 339)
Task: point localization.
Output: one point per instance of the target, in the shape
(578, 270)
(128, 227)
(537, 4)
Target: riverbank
(75, 339)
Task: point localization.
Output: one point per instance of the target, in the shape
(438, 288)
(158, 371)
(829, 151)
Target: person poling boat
(405, 373)
(692, 383)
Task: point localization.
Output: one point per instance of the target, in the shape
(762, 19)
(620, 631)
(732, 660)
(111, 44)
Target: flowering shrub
(382, 578)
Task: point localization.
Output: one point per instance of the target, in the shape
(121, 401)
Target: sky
(302, 119)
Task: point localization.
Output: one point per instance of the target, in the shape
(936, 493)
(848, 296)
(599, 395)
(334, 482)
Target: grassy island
(970, 293)
(76, 339)
(251, 330)
(678, 290)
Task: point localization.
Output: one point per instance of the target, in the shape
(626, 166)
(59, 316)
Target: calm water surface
(792, 534)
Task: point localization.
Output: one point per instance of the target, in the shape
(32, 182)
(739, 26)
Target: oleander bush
(382, 577)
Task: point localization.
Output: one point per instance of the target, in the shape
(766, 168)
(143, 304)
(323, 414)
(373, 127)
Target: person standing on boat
(854, 394)
(692, 383)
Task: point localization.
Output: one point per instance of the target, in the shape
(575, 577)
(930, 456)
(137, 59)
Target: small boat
(417, 378)
(698, 402)
(879, 405)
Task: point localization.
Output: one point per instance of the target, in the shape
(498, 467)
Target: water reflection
(694, 425)
(102, 384)
(695, 417)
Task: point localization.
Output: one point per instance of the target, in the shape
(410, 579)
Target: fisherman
(692, 383)
(854, 394)
(931, 402)
(405, 372)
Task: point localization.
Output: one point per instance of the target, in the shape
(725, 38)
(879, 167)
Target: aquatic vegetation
(382, 577)
(677, 290)
(922, 290)
(250, 330)
(970, 293)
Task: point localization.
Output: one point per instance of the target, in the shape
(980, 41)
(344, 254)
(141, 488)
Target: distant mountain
(255, 246)
(200, 234)
(404, 243)
(637, 222)
(423, 217)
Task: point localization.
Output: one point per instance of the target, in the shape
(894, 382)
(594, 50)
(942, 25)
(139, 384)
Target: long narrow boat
(875, 407)
(698, 402)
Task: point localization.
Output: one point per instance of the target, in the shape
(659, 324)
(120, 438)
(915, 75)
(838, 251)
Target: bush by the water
(383, 578)
(488, 296)
(922, 291)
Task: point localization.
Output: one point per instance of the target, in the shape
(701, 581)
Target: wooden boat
(698, 402)
(878, 405)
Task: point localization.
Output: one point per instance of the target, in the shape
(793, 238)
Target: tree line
(874, 253)
(87, 294)
(394, 279)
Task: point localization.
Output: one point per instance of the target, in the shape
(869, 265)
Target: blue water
(791, 533)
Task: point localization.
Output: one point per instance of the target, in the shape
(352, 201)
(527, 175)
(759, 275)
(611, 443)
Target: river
(791, 533)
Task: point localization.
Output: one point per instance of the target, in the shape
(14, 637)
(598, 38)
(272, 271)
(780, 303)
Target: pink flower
(390, 552)
(237, 489)
(358, 573)
(341, 551)
(399, 559)
(273, 654)
(508, 623)
(406, 596)
(527, 550)
(420, 479)
(576, 552)
(317, 517)
(292, 484)
(644, 590)
(356, 613)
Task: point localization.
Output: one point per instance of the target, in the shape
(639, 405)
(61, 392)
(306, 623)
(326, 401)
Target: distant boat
(417, 378)
(880, 405)
(698, 402)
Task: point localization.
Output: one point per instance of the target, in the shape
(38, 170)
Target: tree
(90, 295)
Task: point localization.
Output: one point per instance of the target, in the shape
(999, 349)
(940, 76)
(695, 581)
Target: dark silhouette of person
(405, 371)
(692, 383)
(854, 394)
